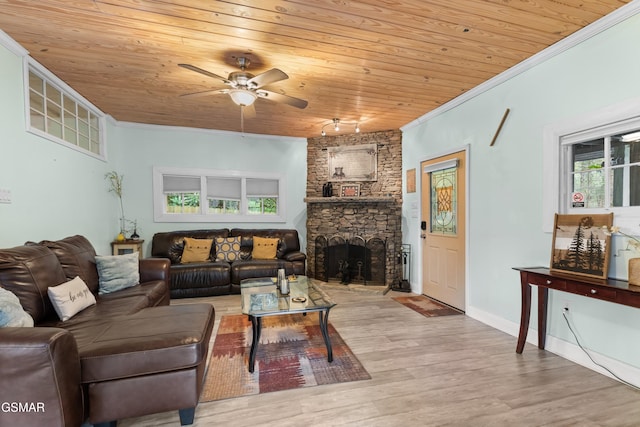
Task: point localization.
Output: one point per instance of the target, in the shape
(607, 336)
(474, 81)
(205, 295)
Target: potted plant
(115, 187)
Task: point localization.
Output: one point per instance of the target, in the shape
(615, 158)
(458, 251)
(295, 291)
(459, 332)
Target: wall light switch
(5, 195)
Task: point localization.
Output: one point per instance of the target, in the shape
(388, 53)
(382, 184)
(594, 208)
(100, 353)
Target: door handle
(423, 236)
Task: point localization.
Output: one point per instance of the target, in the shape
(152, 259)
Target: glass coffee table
(261, 298)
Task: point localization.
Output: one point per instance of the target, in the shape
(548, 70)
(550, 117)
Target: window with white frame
(198, 195)
(57, 113)
(602, 172)
(592, 165)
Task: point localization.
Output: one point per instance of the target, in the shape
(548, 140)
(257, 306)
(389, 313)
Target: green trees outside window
(263, 205)
(183, 203)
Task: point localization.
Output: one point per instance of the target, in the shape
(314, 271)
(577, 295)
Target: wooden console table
(612, 290)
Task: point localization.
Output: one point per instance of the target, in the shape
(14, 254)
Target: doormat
(291, 354)
(426, 306)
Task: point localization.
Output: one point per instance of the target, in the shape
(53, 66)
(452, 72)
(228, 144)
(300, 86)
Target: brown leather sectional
(220, 277)
(129, 355)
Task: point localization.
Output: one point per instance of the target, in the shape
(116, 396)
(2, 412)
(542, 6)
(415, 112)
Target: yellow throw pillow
(264, 248)
(196, 250)
(228, 248)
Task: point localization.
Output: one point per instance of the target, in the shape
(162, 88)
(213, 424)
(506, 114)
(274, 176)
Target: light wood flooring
(440, 371)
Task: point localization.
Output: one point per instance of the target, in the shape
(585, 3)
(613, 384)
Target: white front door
(443, 228)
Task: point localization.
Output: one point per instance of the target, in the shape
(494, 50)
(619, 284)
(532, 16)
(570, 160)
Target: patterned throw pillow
(196, 250)
(228, 248)
(70, 298)
(264, 248)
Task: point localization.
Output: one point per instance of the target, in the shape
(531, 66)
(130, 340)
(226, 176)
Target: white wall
(505, 214)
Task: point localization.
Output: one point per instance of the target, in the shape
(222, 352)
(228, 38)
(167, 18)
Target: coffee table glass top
(261, 297)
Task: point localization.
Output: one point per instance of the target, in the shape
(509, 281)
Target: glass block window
(57, 113)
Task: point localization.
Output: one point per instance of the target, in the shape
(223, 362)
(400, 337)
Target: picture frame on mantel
(581, 246)
(353, 163)
(350, 190)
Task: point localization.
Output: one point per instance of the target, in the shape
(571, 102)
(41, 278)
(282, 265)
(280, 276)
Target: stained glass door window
(444, 198)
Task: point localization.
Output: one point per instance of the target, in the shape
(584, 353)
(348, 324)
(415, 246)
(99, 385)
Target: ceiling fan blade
(249, 111)
(205, 72)
(204, 93)
(268, 77)
(285, 99)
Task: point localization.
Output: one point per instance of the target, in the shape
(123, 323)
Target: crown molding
(165, 128)
(595, 28)
(13, 46)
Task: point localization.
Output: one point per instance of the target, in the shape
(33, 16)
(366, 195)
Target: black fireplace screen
(351, 260)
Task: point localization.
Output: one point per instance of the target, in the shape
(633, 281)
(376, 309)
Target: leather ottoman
(148, 362)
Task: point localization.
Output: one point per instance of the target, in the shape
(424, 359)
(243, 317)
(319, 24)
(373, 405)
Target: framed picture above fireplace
(353, 163)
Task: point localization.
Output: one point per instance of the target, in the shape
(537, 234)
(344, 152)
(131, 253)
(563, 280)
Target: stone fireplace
(353, 259)
(355, 238)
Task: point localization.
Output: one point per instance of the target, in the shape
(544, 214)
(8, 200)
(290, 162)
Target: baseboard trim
(562, 348)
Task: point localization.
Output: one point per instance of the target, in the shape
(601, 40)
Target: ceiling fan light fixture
(242, 97)
(245, 88)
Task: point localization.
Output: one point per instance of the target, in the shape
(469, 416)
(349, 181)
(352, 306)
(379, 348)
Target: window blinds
(180, 184)
(224, 188)
(262, 187)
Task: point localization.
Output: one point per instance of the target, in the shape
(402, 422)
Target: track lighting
(336, 126)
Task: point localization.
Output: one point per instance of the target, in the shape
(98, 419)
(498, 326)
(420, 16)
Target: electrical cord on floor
(566, 319)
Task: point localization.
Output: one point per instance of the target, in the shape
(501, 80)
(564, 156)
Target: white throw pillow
(11, 312)
(70, 298)
(116, 272)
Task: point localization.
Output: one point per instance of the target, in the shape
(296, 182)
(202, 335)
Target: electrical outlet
(565, 305)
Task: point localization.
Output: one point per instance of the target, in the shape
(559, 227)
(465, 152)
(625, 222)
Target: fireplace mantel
(364, 199)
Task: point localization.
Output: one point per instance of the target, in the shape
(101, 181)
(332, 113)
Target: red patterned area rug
(291, 354)
(426, 306)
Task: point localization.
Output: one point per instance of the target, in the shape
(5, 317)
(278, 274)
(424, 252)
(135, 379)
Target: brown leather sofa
(129, 355)
(220, 277)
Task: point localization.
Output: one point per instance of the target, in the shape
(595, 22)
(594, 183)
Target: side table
(128, 246)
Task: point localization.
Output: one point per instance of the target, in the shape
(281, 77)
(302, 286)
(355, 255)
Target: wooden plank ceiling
(381, 63)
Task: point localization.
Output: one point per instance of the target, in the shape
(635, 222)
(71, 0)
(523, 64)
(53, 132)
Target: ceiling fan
(246, 88)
